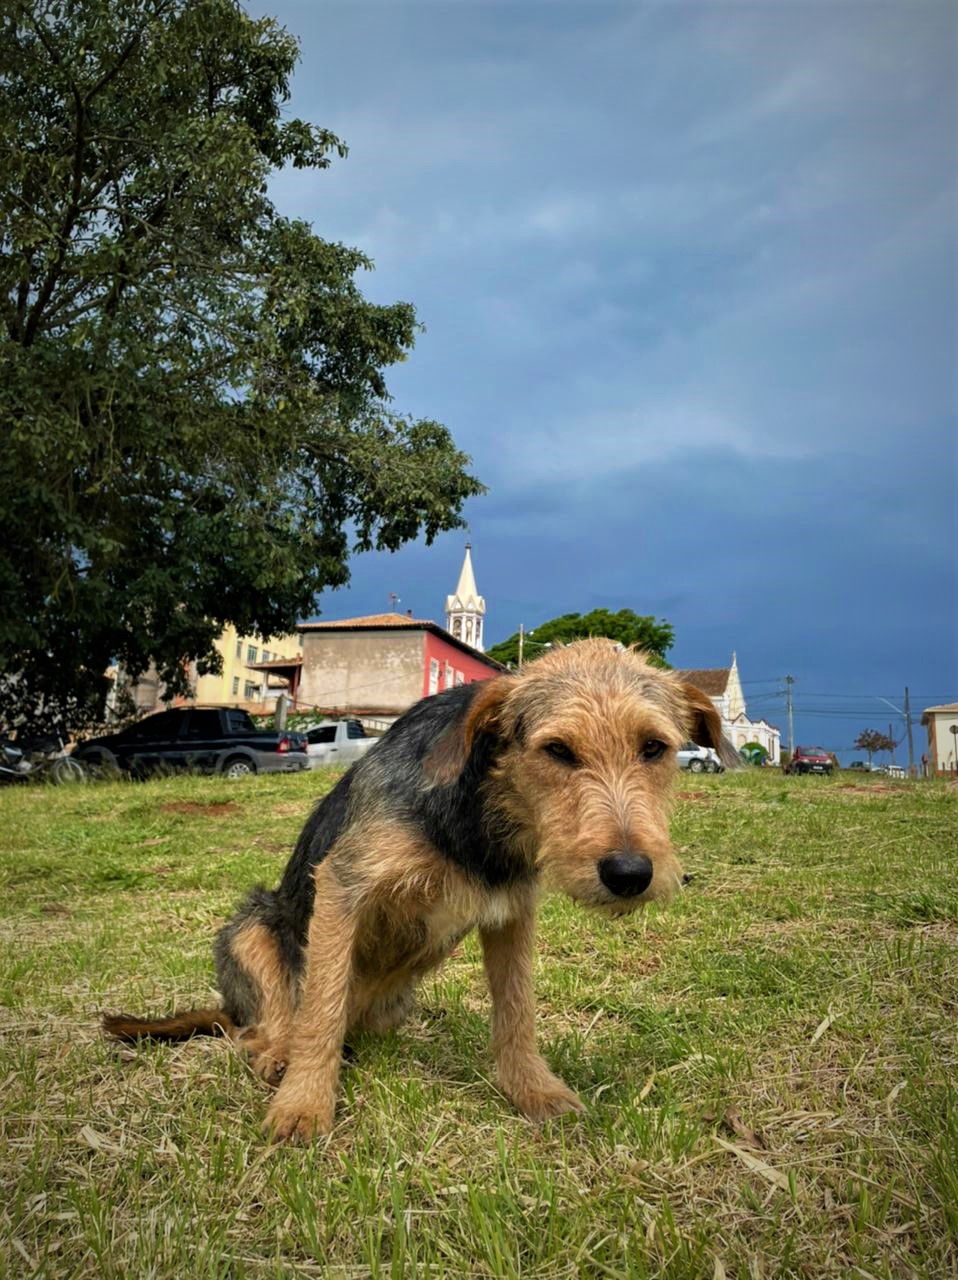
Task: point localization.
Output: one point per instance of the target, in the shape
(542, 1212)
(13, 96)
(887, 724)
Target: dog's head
(584, 752)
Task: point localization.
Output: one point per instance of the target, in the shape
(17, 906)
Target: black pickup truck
(206, 740)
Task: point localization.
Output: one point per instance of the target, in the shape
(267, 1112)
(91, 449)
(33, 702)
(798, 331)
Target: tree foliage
(192, 398)
(754, 752)
(629, 628)
(872, 741)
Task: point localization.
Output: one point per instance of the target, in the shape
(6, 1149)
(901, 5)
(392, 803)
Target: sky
(689, 281)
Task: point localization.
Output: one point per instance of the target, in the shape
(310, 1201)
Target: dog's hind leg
(258, 986)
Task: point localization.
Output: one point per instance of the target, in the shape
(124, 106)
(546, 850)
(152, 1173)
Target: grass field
(769, 1065)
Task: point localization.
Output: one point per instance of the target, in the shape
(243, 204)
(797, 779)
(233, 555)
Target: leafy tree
(627, 627)
(754, 752)
(872, 740)
(194, 415)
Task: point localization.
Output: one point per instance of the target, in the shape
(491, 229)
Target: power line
(864, 697)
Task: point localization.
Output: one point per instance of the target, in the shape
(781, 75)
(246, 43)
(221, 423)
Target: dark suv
(203, 739)
(810, 760)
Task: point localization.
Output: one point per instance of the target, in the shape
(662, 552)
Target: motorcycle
(38, 759)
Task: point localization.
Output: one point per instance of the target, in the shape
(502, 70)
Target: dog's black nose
(626, 874)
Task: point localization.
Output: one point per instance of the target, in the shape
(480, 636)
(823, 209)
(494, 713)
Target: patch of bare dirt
(692, 795)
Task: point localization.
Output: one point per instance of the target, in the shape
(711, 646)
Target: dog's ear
(447, 759)
(706, 725)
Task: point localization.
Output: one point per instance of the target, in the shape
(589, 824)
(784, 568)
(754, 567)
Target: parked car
(337, 742)
(208, 740)
(859, 764)
(699, 759)
(810, 760)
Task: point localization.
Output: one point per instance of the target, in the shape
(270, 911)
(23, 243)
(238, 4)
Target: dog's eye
(653, 749)
(559, 751)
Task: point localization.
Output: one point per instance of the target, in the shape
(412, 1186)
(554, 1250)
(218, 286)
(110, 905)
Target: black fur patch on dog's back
(323, 828)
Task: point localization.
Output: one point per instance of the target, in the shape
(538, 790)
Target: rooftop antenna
(393, 601)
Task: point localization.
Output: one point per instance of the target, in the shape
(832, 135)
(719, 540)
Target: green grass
(769, 1065)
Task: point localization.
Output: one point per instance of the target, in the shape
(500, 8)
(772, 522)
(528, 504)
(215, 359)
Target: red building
(376, 667)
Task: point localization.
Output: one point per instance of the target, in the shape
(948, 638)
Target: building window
(457, 628)
(300, 639)
(460, 678)
(251, 691)
(447, 676)
(265, 657)
(235, 685)
(239, 648)
(251, 653)
(433, 675)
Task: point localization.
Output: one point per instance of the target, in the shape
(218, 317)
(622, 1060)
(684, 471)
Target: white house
(723, 686)
(942, 725)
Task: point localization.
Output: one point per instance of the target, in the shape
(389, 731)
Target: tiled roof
(379, 620)
(711, 680)
(946, 707)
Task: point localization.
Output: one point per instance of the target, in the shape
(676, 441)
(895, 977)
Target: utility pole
(894, 744)
(789, 681)
(522, 634)
(911, 745)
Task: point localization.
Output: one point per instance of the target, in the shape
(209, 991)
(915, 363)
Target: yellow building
(237, 683)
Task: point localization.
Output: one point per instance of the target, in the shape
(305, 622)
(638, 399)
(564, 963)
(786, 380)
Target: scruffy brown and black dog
(474, 799)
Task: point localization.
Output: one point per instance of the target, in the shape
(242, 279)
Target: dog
(475, 800)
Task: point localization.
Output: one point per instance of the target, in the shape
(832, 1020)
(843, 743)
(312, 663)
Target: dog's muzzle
(626, 874)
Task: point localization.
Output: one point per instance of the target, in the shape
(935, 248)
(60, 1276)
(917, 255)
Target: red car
(810, 760)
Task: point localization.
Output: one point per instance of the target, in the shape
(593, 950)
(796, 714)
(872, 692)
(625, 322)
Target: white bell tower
(466, 609)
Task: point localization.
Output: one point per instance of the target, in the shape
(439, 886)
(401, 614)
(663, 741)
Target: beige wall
(357, 669)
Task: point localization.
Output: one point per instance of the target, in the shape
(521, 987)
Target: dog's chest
(449, 920)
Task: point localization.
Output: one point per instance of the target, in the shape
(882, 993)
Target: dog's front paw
(543, 1097)
(556, 1102)
(302, 1122)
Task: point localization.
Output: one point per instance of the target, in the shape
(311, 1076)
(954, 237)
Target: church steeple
(466, 609)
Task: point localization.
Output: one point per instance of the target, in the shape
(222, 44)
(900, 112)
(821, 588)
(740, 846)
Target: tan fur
(523, 1074)
(267, 1045)
(613, 800)
(181, 1026)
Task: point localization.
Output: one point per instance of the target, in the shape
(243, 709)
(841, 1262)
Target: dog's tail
(180, 1026)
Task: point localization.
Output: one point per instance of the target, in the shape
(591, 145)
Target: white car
(699, 759)
(337, 742)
